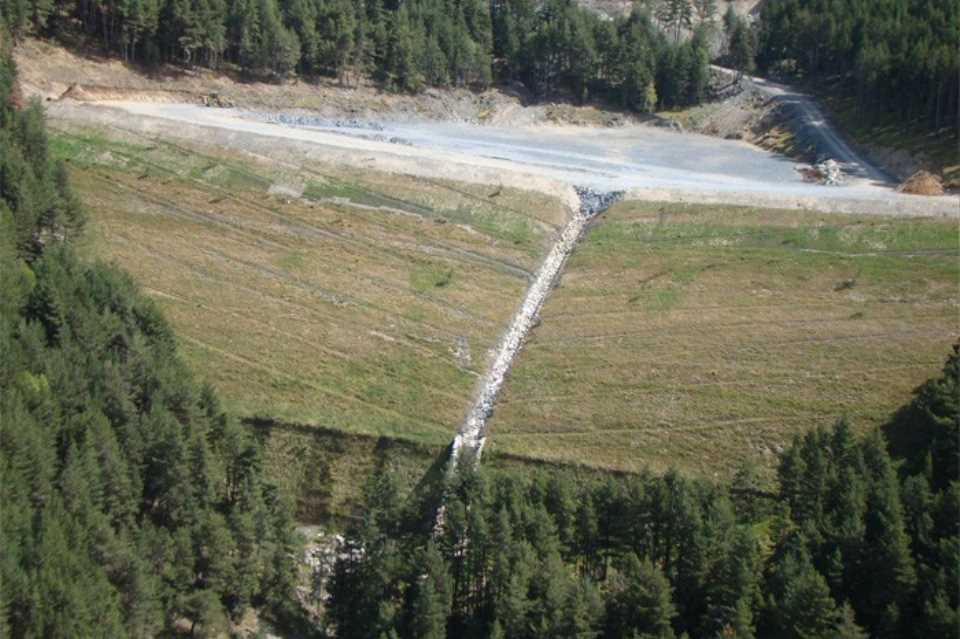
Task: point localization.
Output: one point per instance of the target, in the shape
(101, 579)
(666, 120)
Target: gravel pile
(303, 120)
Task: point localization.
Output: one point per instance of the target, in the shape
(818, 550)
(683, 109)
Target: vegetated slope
(346, 298)
(842, 547)
(129, 502)
(700, 337)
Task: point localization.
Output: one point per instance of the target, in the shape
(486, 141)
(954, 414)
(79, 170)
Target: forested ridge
(900, 56)
(129, 502)
(854, 543)
(554, 47)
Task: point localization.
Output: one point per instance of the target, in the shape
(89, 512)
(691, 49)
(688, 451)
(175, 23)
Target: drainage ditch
(472, 435)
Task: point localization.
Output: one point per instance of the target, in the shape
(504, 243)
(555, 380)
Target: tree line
(553, 47)
(900, 56)
(854, 543)
(129, 502)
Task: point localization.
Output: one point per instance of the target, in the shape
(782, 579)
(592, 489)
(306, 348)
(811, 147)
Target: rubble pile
(828, 172)
(303, 120)
(922, 183)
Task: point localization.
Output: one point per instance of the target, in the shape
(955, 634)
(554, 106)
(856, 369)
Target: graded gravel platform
(648, 163)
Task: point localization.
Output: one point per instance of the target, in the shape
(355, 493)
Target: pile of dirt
(736, 111)
(922, 183)
(94, 93)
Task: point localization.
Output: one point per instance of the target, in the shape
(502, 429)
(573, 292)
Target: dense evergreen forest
(854, 543)
(553, 47)
(898, 55)
(129, 503)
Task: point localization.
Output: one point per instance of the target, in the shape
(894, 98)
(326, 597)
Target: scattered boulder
(666, 123)
(922, 183)
(216, 100)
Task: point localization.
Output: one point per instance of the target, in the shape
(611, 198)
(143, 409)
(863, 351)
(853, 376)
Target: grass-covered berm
(348, 299)
(703, 337)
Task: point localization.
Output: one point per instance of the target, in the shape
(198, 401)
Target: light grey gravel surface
(647, 162)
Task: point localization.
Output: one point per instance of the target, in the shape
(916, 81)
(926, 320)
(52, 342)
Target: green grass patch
(429, 276)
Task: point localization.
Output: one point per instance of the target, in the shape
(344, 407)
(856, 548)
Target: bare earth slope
(49, 72)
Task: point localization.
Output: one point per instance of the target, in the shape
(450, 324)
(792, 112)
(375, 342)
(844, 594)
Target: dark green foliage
(846, 549)
(899, 56)
(639, 603)
(555, 47)
(675, 16)
(127, 499)
(742, 46)
(34, 191)
(927, 432)
(799, 605)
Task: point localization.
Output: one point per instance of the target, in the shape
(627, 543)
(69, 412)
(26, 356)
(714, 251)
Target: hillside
(429, 281)
(130, 503)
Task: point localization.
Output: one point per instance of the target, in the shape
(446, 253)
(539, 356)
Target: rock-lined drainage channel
(472, 435)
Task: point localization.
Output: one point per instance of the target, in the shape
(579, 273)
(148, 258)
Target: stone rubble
(473, 433)
(303, 120)
(828, 172)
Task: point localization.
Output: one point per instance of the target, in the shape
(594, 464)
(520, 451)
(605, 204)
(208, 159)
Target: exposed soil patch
(51, 72)
(922, 183)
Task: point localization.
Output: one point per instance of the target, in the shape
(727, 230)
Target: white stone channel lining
(472, 435)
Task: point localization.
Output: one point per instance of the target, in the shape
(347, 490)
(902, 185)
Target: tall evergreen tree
(640, 604)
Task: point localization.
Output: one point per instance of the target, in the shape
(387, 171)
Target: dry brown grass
(350, 308)
(701, 338)
(922, 183)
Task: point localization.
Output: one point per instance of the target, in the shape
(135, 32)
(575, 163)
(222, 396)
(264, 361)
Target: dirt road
(813, 127)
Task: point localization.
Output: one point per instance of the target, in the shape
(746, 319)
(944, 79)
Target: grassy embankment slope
(687, 337)
(704, 337)
(367, 306)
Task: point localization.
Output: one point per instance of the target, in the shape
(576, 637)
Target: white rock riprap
(472, 435)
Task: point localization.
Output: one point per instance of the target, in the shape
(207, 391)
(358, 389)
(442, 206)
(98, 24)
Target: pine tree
(675, 16)
(848, 628)
(640, 602)
(706, 10)
(887, 574)
(733, 589)
(799, 605)
(432, 601)
(742, 48)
